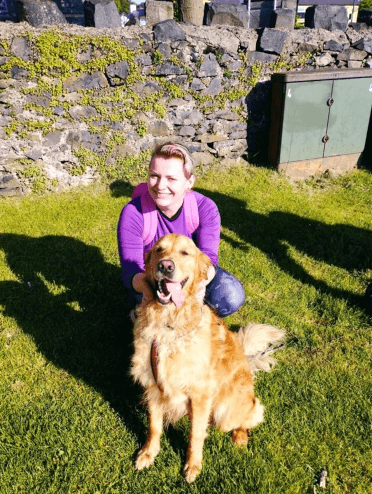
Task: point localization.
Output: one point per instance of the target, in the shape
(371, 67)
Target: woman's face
(167, 184)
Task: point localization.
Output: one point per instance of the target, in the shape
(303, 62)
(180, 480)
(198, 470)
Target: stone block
(117, 72)
(283, 18)
(96, 80)
(333, 45)
(202, 158)
(20, 48)
(209, 67)
(365, 15)
(260, 56)
(214, 88)
(330, 17)
(352, 54)
(324, 60)
(354, 64)
(168, 31)
(169, 69)
(364, 45)
(101, 13)
(158, 128)
(273, 40)
(158, 11)
(226, 14)
(42, 12)
(358, 26)
(77, 112)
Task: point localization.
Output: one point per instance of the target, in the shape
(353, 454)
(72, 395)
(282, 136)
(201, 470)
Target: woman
(171, 178)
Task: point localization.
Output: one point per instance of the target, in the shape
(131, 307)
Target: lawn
(71, 420)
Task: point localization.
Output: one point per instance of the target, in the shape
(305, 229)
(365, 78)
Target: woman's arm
(207, 235)
(130, 243)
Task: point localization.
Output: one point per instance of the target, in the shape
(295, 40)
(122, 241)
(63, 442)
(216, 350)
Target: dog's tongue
(175, 290)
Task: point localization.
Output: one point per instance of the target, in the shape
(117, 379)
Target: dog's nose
(166, 266)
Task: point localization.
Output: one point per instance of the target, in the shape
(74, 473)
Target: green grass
(71, 420)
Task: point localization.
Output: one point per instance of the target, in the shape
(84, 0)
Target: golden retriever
(187, 359)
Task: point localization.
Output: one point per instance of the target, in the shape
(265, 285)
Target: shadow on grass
(72, 304)
(344, 246)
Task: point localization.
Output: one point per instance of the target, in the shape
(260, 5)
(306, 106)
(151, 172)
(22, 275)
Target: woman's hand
(204, 283)
(141, 286)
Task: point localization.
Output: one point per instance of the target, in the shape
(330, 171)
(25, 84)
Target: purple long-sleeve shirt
(130, 228)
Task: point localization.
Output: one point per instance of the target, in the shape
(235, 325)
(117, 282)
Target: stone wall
(78, 103)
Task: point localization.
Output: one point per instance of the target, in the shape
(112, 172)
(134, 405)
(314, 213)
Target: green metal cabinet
(318, 115)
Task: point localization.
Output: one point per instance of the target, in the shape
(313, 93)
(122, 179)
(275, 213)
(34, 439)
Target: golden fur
(201, 367)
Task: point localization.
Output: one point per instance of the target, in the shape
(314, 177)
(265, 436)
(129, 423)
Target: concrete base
(307, 168)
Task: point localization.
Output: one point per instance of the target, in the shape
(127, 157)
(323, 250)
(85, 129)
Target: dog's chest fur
(183, 348)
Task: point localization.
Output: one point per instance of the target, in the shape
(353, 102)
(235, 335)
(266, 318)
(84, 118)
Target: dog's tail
(259, 341)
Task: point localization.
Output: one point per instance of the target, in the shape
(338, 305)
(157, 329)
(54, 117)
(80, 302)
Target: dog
(187, 359)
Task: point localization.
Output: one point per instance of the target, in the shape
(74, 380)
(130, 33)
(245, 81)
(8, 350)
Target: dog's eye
(158, 250)
(184, 253)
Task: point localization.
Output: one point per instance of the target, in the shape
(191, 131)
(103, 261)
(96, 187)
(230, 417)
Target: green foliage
(365, 4)
(141, 128)
(157, 57)
(122, 5)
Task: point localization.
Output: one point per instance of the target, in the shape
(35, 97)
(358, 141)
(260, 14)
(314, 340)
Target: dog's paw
(239, 437)
(144, 459)
(191, 472)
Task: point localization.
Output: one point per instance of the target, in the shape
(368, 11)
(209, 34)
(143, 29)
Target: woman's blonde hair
(175, 150)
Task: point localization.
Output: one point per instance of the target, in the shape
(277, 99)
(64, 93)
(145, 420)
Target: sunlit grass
(71, 420)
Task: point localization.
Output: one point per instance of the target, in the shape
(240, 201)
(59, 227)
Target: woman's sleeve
(207, 235)
(130, 242)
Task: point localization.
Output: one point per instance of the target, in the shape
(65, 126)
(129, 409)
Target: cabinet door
(349, 116)
(305, 120)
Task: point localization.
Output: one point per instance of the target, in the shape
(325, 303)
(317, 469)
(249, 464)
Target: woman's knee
(225, 293)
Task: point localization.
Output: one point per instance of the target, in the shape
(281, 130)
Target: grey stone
(333, 45)
(225, 148)
(101, 13)
(358, 26)
(158, 128)
(21, 49)
(42, 13)
(77, 112)
(148, 88)
(34, 154)
(4, 60)
(190, 117)
(365, 15)
(197, 147)
(307, 47)
(143, 59)
(209, 67)
(174, 102)
(131, 43)
(324, 60)
(352, 54)
(283, 18)
(369, 64)
(19, 73)
(197, 84)
(354, 64)
(158, 11)
(330, 17)
(96, 80)
(225, 14)
(169, 69)
(240, 134)
(52, 139)
(58, 110)
(84, 56)
(273, 40)
(168, 31)
(202, 158)
(165, 50)
(225, 58)
(214, 88)
(364, 44)
(40, 100)
(117, 72)
(5, 121)
(186, 131)
(223, 114)
(259, 56)
(234, 66)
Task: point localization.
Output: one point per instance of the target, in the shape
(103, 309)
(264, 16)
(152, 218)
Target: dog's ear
(148, 257)
(204, 264)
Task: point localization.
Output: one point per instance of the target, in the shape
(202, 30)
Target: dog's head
(175, 268)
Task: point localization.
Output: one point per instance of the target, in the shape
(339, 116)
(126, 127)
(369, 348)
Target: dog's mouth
(171, 291)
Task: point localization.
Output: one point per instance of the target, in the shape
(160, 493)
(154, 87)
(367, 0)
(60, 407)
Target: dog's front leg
(200, 413)
(147, 454)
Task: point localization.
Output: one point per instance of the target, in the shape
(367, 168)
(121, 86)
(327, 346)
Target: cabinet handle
(330, 102)
(325, 139)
